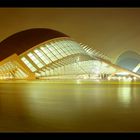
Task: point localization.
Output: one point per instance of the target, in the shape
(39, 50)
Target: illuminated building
(46, 54)
(129, 60)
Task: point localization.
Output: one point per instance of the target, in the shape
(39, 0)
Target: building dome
(24, 40)
(129, 60)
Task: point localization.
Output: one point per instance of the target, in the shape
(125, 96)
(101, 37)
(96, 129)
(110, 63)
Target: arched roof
(24, 40)
(128, 54)
(128, 60)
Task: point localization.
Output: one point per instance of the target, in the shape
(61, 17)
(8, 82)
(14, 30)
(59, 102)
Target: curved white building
(46, 53)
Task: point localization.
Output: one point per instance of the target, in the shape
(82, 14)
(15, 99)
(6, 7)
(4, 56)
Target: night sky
(110, 30)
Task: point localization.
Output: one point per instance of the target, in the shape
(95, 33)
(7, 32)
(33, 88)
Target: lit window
(58, 55)
(59, 49)
(48, 53)
(10, 65)
(76, 46)
(28, 64)
(70, 46)
(35, 60)
(55, 52)
(42, 56)
(22, 73)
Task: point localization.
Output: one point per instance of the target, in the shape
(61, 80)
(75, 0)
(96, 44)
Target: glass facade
(35, 60)
(10, 70)
(64, 57)
(41, 55)
(28, 64)
(60, 57)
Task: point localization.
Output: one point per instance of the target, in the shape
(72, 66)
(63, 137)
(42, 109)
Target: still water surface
(69, 106)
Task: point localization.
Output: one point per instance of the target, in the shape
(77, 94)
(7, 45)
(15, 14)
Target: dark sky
(111, 30)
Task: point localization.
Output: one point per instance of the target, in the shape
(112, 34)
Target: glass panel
(42, 56)
(8, 66)
(48, 53)
(23, 74)
(28, 64)
(76, 46)
(55, 46)
(71, 46)
(56, 52)
(35, 60)
(59, 56)
(60, 46)
(51, 47)
(64, 48)
(19, 75)
(67, 51)
(45, 55)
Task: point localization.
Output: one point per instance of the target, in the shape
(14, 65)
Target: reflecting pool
(69, 106)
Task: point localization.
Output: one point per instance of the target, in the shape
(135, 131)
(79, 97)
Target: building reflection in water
(12, 108)
(125, 94)
(67, 106)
